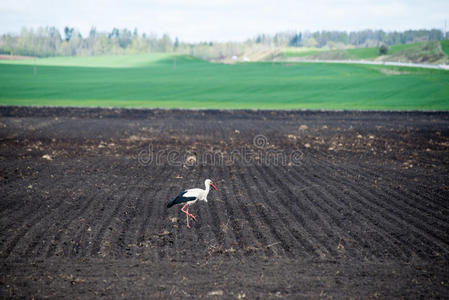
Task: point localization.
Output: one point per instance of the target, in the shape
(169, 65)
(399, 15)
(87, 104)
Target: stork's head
(209, 182)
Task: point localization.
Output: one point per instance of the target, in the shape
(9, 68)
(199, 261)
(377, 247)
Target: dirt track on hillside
(309, 204)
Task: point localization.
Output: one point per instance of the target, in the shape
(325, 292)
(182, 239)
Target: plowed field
(331, 204)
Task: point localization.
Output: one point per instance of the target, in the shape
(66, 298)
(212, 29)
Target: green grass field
(152, 81)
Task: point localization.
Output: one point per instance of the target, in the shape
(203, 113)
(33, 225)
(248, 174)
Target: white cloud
(199, 20)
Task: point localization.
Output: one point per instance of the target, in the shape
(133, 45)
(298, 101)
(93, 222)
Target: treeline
(48, 41)
(364, 38)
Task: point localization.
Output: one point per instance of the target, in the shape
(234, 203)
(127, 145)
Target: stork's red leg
(193, 217)
(187, 213)
(182, 209)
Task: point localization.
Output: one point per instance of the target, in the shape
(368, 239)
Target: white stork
(191, 196)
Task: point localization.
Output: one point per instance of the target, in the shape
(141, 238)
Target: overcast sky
(222, 20)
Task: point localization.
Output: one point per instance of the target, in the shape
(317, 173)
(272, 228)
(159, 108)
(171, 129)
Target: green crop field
(153, 81)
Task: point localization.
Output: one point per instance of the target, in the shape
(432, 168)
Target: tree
(54, 39)
(295, 41)
(165, 43)
(92, 32)
(68, 32)
(124, 38)
(114, 33)
(383, 50)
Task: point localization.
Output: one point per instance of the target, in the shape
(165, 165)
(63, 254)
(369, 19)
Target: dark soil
(310, 204)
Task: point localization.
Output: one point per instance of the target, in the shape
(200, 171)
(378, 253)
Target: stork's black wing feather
(180, 199)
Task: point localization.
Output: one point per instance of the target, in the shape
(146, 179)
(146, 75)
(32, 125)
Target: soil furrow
(289, 204)
(391, 221)
(219, 216)
(356, 211)
(354, 223)
(397, 213)
(106, 224)
(236, 214)
(71, 234)
(323, 206)
(258, 207)
(392, 175)
(148, 206)
(51, 243)
(125, 240)
(161, 219)
(414, 203)
(24, 209)
(40, 216)
(146, 232)
(75, 230)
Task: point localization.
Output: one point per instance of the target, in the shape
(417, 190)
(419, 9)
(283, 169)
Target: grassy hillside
(152, 81)
(300, 52)
(445, 47)
(107, 61)
(363, 53)
(400, 48)
(429, 52)
(424, 52)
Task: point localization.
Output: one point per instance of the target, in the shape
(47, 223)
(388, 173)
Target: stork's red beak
(213, 187)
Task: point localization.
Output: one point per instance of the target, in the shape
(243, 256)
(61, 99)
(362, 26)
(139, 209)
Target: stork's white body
(190, 196)
(199, 194)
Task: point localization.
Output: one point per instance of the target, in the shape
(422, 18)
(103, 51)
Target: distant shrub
(383, 50)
